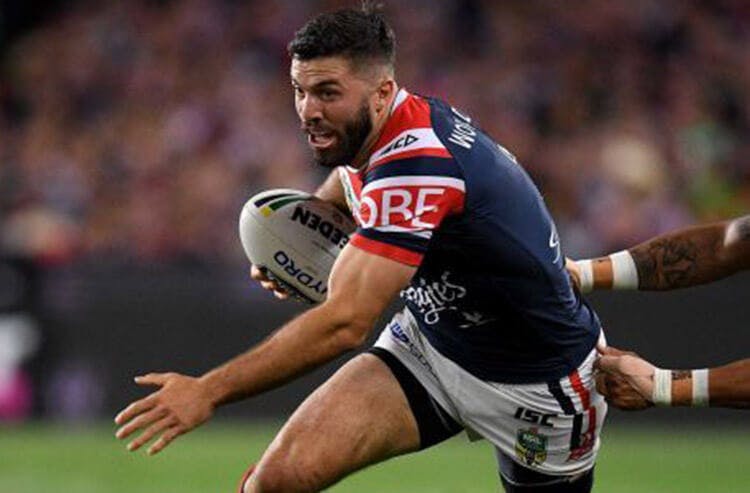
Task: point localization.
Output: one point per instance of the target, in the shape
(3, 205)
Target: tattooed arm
(631, 383)
(679, 259)
(693, 256)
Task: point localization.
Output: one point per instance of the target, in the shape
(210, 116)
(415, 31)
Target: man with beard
(493, 338)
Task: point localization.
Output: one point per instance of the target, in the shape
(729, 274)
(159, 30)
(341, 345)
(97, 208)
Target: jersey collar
(401, 96)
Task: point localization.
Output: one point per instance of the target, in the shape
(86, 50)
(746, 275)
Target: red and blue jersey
(490, 291)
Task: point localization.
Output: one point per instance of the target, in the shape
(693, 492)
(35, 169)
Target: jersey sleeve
(403, 202)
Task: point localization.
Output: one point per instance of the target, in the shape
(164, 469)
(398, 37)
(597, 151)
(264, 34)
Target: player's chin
(327, 158)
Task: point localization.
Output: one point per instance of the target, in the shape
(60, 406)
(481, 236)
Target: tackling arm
(361, 286)
(630, 383)
(680, 259)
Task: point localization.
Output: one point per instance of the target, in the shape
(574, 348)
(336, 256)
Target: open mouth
(321, 140)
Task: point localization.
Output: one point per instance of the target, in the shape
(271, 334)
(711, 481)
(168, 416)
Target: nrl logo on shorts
(531, 446)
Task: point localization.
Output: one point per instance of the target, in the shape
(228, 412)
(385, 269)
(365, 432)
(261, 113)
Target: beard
(349, 143)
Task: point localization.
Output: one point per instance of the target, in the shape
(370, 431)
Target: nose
(309, 109)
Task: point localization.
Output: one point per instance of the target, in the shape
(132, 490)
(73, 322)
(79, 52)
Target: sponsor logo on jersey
(554, 244)
(433, 298)
(463, 134)
(399, 143)
(307, 279)
(408, 203)
(413, 142)
(531, 446)
(534, 417)
(398, 333)
(325, 228)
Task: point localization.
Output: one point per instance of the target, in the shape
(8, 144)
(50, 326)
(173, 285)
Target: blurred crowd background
(132, 131)
(135, 129)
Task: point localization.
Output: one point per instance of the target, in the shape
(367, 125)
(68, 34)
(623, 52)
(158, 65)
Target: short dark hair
(359, 35)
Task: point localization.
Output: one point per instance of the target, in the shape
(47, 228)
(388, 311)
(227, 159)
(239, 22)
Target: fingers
(136, 408)
(165, 439)
(613, 351)
(270, 285)
(257, 274)
(267, 283)
(163, 424)
(606, 363)
(601, 384)
(619, 387)
(140, 421)
(153, 379)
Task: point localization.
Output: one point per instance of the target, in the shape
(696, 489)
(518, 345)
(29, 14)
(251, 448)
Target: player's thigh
(358, 417)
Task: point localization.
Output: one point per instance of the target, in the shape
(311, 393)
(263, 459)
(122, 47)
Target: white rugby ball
(294, 238)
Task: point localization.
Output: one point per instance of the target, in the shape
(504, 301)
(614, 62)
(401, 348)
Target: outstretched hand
(624, 378)
(180, 404)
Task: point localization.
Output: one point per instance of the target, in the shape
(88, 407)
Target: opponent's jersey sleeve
(412, 184)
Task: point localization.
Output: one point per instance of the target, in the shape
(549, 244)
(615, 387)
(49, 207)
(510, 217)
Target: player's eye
(328, 95)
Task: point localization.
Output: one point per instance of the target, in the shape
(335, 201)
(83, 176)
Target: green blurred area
(47, 458)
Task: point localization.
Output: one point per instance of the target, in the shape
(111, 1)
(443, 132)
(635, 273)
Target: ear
(385, 92)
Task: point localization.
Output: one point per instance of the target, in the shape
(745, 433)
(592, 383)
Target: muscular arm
(729, 385)
(680, 259)
(629, 382)
(361, 286)
(693, 256)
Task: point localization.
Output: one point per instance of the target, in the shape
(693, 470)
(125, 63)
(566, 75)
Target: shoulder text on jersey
(463, 134)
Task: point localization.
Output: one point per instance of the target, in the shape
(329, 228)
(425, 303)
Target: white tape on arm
(700, 387)
(624, 272)
(662, 393)
(586, 268)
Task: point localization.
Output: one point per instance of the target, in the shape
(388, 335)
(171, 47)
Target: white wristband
(662, 393)
(624, 272)
(586, 268)
(700, 387)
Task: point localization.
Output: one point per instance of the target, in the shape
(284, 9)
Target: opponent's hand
(574, 272)
(624, 378)
(181, 404)
(268, 283)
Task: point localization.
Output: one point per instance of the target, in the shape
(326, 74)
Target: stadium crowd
(135, 130)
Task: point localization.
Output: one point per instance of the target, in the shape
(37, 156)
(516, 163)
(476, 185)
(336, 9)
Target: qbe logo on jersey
(409, 203)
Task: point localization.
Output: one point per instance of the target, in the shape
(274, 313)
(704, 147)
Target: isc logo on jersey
(409, 203)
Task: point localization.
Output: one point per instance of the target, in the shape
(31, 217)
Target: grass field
(46, 459)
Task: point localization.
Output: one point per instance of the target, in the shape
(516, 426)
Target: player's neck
(363, 156)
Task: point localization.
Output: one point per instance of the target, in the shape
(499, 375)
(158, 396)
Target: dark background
(131, 133)
(124, 322)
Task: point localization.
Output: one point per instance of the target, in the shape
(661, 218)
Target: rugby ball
(294, 238)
